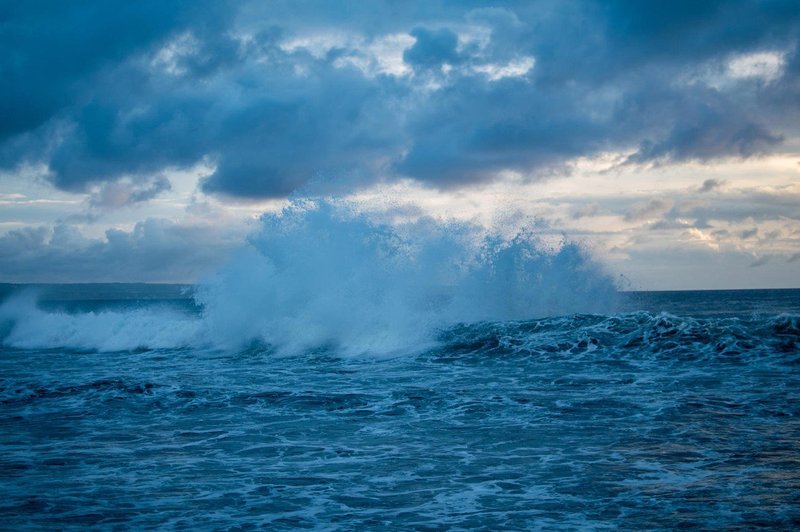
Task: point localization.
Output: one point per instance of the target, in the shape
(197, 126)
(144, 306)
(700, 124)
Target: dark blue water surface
(680, 409)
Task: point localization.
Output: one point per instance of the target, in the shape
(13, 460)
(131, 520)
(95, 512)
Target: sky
(140, 141)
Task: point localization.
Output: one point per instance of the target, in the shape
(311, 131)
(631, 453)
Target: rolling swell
(660, 336)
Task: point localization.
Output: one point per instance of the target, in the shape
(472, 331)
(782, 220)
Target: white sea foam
(319, 274)
(28, 326)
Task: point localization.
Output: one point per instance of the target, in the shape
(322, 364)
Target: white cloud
(513, 69)
(726, 75)
(381, 55)
(319, 44)
(767, 66)
(168, 58)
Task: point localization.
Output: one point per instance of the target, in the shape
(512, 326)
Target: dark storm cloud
(106, 90)
(52, 49)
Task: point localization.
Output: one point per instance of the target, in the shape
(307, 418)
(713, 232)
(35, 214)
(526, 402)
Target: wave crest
(323, 274)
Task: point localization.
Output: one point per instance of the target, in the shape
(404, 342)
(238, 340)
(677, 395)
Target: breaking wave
(319, 274)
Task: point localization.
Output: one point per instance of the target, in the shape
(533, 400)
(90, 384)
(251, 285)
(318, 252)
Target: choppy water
(675, 409)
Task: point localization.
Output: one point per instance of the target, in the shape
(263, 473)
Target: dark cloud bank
(99, 91)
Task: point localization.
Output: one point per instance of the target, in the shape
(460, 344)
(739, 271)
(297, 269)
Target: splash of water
(24, 325)
(320, 274)
(317, 274)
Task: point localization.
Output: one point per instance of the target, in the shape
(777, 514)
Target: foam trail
(318, 274)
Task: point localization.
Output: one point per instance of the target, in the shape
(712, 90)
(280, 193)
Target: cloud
(708, 131)
(589, 209)
(432, 49)
(58, 48)
(155, 250)
(280, 102)
(760, 261)
(749, 203)
(652, 209)
(767, 66)
(710, 184)
(665, 225)
(671, 268)
(748, 233)
(121, 193)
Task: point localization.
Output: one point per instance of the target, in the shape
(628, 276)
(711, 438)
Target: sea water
(308, 387)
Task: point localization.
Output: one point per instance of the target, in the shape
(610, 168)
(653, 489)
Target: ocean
(668, 409)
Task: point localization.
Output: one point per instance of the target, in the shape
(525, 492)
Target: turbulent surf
(340, 373)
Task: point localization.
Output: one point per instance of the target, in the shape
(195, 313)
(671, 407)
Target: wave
(27, 326)
(637, 335)
(320, 273)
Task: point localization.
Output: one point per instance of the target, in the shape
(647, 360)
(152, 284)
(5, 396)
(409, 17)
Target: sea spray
(323, 274)
(23, 324)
